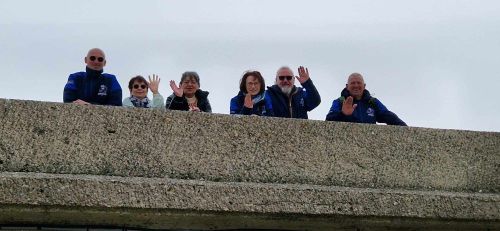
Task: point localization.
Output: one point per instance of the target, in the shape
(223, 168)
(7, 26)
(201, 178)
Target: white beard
(286, 90)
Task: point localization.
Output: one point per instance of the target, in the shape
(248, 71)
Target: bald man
(93, 86)
(358, 106)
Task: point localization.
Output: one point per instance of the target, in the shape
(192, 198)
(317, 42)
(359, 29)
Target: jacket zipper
(290, 103)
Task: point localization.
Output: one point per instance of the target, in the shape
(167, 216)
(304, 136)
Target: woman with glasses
(188, 96)
(138, 87)
(251, 100)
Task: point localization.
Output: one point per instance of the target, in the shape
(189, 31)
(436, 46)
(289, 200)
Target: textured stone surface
(95, 140)
(286, 202)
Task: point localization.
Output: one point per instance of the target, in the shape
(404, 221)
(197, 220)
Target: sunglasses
(289, 78)
(142, 86)
(99, 59)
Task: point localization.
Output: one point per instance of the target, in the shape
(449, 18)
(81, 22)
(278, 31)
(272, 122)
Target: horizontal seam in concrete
(139, 180)
(164, 193)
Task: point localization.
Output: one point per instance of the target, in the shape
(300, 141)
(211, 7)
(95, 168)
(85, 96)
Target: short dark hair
(256, 74)
(139, 79)
(190, 75)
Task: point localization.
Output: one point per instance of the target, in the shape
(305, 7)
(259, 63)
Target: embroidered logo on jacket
(370, 112)
(103, 91)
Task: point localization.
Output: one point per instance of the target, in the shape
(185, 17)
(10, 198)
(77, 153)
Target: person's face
(356, 86)
(284, 78)
(139, 90)
(252, 85)
(95, 60)
(190, 86)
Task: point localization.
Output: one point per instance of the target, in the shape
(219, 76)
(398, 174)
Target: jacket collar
(93, 73)
(366, 94)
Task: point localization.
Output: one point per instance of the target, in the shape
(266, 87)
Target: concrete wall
(240, 172)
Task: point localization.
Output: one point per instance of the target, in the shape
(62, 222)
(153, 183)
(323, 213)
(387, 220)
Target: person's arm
(175, 103)
(70, 93)
(234, 106)
(335, 113)
(268, 106)
(383, 115)
(158, 101)
(127, 102)
(311, 96)
(115, 97)
(208, 107)
(154, 85)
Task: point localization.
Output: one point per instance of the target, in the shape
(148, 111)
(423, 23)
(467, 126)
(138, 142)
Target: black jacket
(180, 103)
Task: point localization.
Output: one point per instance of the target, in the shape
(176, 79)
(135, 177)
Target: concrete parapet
(110, 160)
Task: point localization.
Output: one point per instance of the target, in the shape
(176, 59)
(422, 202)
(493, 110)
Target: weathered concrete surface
(240, 172)
(313, 205)
(65, 138)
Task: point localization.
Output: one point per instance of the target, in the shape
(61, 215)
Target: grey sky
(430, 62)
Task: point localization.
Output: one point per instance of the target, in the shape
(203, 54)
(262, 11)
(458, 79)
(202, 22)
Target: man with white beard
(289, 101)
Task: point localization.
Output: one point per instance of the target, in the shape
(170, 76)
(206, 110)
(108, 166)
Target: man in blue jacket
(93, 86)
(289, 101)
(358, 106)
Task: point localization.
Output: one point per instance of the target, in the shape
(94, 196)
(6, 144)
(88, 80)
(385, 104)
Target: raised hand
(154, 83)
(303, 75)
(348, 107)
(177, 90)
(248, 101)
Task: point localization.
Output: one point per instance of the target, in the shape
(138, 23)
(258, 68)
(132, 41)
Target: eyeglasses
(289, 78)
(99, 59)
(142, 86)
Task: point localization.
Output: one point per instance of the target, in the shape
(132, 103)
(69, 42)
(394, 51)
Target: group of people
(283, 99)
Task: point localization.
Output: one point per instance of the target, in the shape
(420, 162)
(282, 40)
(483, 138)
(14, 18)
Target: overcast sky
(432, 62)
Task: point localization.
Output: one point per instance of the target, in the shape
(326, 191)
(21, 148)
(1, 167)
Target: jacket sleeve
(158, 101)
(269, 105)
(127, 103)
(383, 115)
(174, 102)
(70, 93)
(115, 97)
(234, 107)
(208, 107)
(335, 113)
(311, 95)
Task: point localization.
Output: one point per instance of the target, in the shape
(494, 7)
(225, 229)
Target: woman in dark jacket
(251, 100)
(188, 96)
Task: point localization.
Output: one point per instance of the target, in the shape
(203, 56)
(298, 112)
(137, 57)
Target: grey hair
(283, 68)
(190, 75)
(355, 74)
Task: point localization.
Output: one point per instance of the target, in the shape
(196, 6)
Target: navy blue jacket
(261, 105)
(301, 100)
(93, 87)
(369, 110)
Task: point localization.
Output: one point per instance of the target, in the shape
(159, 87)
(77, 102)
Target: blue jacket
(369, 110)
(261, 105)
(93, 87)
(301, 100)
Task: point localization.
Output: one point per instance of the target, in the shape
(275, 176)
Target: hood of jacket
(200, 94)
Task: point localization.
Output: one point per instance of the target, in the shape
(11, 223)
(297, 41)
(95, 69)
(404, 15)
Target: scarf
(145, 103)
